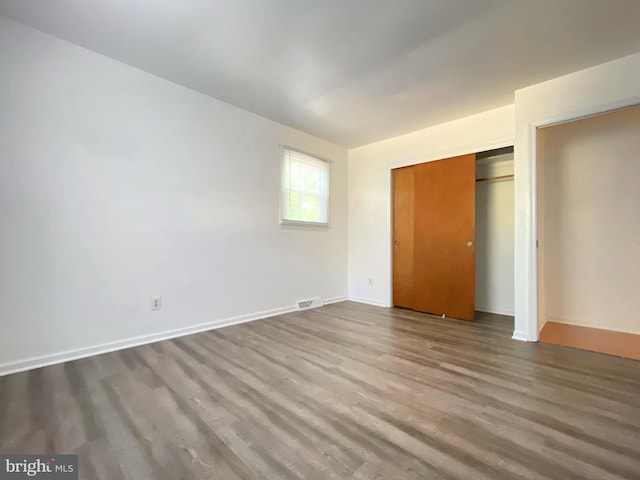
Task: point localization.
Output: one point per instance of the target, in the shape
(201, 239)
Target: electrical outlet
(156, 303)
(371, 282)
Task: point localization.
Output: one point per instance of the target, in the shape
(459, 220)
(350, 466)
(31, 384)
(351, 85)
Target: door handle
(469, 244)
(395, 242)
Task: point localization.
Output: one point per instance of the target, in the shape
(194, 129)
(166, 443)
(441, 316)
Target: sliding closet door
(444, 237)
(403, 192)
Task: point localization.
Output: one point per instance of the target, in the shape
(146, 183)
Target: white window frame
(323, 195)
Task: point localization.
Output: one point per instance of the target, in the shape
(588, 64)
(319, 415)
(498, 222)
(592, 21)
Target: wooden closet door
(403, 193)
(444, 237)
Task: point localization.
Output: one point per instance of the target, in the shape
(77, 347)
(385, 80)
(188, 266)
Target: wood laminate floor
(346, 391)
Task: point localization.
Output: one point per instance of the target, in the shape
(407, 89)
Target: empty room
(286, 239)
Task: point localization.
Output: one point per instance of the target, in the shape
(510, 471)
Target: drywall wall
(597, 89)
(494, 236)
(116, 186)
(591, 231)
(370, 190)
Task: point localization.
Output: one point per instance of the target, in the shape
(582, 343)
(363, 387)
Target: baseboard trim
(610, 342)
(368, 301)
(331, 300)
(76, 354)
(520, 336)
(497, 311)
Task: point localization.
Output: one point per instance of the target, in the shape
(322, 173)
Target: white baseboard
(521, 336)
(327, 301)
(499, 311)
(369, 301)
(75, 354)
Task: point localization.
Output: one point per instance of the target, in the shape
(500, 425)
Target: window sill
(293, 224)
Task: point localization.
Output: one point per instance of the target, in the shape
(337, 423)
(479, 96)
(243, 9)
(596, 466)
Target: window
(305, 188)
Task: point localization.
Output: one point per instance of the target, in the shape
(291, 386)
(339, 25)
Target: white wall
(591, 228)
(494, 236)
(370, 190)
(597, 89)
(116, 186)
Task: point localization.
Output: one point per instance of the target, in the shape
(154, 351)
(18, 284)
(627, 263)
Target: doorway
(588, 233)
(453, 235)
(495, 228)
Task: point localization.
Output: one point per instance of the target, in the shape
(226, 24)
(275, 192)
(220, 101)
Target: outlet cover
(156, 303)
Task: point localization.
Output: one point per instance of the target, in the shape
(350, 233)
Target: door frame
(526, 206)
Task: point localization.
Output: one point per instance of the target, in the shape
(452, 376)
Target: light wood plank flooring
(347, 391)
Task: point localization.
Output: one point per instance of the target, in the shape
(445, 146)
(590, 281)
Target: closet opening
(588, 217)
(495, 223)
(453, 237)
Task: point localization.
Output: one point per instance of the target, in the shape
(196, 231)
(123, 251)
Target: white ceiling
(349, 71)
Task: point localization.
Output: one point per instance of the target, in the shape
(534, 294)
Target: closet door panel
(403, 195)
(444, 237)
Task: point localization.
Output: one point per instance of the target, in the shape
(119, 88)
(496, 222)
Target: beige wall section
(591, 234)
(494, 236)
